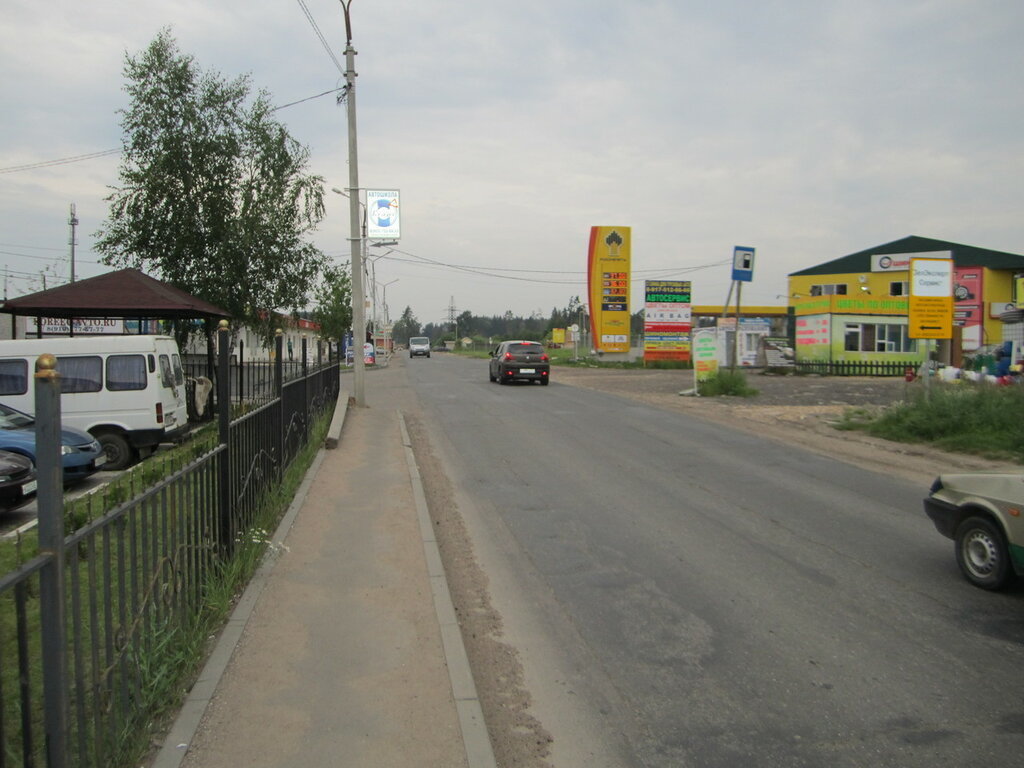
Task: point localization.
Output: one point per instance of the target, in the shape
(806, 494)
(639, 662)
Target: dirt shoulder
(799, 410)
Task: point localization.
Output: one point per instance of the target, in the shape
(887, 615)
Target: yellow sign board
(931, 299)
(608, 261)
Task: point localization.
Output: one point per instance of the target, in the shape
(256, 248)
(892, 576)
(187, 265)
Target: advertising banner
(931, 299)
(705, 356)
(777, 352)
(59, 326)
(382, 214)
(900, 262)
(667, 320)
(967, 305)
(608, 268)
(814, 337)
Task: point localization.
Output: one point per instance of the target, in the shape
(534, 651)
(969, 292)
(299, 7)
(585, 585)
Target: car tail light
(508, 355)
(159, 413)
(544, 357)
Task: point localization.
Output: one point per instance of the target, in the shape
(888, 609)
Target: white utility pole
(73, 221)
(356, 238)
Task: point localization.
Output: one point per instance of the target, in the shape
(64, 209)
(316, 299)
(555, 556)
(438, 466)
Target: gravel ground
(774, 390)
(801, 410)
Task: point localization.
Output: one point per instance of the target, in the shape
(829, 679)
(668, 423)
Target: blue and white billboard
(383, 218)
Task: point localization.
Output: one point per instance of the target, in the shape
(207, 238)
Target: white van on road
(419, 345)
(126, 391)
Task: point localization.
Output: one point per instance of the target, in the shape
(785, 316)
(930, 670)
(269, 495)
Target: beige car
(982, 513)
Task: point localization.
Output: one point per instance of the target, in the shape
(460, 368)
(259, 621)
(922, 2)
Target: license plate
(29, 487)
(100, 460)
(527, 370)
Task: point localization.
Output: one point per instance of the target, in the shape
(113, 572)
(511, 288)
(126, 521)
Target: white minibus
(126, 391)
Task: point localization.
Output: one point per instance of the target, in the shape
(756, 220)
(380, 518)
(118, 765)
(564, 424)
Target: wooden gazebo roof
(125, 293)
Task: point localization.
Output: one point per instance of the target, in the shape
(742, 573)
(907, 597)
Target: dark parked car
(519, 361)
(17, 478)
(982, 513)
(81, 454)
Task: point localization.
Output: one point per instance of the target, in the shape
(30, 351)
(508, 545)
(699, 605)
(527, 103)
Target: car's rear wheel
(120, 453)
(982, 554)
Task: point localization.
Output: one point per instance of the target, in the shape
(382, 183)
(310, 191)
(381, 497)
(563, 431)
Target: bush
(731, 383)
(968, 418)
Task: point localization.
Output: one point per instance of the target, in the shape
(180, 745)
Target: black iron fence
(93, 621)
(251, 380)
(856, 368)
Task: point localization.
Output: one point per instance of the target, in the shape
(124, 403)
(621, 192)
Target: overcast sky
(807, 130)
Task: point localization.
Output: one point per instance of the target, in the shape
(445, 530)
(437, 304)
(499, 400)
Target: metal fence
(95, 621)
(857, 368)
(251, 380)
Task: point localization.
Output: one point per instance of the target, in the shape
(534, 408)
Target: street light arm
(348, 22)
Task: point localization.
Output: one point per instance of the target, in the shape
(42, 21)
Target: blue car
(81, 454)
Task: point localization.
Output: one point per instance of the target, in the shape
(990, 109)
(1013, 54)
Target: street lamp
(384, 301)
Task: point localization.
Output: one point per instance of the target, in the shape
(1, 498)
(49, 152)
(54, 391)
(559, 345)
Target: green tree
(407, 325)
(213, 193)
(333, 296)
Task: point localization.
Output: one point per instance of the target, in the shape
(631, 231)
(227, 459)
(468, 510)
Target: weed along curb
(183, 730)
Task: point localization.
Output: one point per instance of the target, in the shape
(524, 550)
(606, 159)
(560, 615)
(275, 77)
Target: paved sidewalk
(344, 650)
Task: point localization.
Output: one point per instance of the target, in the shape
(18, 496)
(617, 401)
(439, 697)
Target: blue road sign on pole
(743, 264)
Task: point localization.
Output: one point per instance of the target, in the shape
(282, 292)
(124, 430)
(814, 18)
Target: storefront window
(876, 337)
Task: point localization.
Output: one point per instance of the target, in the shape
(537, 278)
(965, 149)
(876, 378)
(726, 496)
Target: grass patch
(978, 419)
(176, 672)
(155, 643)
(726, 383)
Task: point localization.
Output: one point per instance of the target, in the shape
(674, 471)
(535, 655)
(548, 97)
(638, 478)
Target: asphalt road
(684, 594)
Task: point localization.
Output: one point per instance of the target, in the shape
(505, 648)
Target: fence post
(305, 390)
(227, 538)
(50, 501)
(279, 397)
(241, 371)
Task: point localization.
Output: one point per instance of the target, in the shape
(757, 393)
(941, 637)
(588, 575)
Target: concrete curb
(479, 752)
(337, 422)
(183, 731)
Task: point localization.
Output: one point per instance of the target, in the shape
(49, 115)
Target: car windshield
(12, 419)
(419, 340)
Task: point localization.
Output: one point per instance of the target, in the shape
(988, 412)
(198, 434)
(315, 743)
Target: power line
(494, 271)
(33, 247)
(61, 161)
(309, 98)
(319, 34)
(107, 152)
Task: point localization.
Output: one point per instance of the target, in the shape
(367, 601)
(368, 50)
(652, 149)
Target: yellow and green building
(854, 309)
